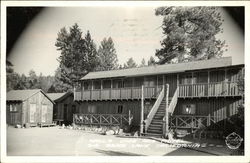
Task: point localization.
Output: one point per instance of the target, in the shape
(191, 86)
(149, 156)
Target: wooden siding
(59, 113)
(199, 83)
(111, 107)
(217, 107)
(39, 99)
(14, 117)
(22, 116)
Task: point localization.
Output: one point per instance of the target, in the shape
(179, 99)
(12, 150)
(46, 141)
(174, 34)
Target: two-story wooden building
(199, 93)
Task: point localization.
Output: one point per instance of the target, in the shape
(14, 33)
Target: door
(32, 112)
(44, 113)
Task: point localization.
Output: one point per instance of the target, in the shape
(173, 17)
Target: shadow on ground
(116, 153)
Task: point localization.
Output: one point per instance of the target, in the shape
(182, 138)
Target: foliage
(190, 34)
(107, 55)
(151, 61)
(78, 54)
(130, 63)
(143, 63)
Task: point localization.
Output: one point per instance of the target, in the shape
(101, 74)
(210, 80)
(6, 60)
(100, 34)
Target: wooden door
(44, 113)
(32, 113)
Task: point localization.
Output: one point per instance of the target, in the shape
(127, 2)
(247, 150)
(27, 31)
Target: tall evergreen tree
(151, 61)
(190, 34)
(130, 63)
(107, 55)
(143, 63)
(78, 54)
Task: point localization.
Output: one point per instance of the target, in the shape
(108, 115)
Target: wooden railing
(173, 102)
(154, 109)
(193, 122)
(209, 89)
(102, 119)
(117, 93)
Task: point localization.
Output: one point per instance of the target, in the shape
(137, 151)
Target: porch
(103, 119)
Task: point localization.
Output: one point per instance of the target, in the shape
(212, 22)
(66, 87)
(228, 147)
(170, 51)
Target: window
(91, 109)
(13, 108)
(120, 109)
(106, 84)
(186, 79)
(87, 85)
(188, 109)
(128, 83)
(97, 84)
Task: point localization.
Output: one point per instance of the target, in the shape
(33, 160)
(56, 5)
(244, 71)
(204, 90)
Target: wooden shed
(64, 107)
(29, 108)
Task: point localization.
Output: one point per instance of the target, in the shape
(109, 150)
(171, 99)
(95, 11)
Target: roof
(58, 96)
(22, 95)
(55, 96)
(161, 69)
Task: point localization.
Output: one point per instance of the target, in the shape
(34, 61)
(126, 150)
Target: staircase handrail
(154, 109)
(173, 102)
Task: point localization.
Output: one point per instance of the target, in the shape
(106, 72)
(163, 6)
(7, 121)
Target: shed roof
(58, 96)
(22, 95)
(161, 69)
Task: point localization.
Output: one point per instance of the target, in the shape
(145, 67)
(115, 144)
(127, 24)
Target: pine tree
(143, 63)
(151, 61)
(107, 55)
(190, 34)
(78, 55)
(130, 63)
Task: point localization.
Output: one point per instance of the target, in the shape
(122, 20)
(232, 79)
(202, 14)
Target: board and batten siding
(60, 108)
(14, 117)
(111, 107)
(38, 100)
(219, 107)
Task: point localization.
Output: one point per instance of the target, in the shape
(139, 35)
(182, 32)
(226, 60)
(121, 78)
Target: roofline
(39, 90)
(64, 96)
(153, 73)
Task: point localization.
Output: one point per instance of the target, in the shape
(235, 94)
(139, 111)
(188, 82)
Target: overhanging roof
(161, 69)
(22, 95)
(59, 96)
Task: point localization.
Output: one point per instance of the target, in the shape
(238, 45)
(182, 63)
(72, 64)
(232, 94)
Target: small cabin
(64, 107)
(29, 108)
(192, 94)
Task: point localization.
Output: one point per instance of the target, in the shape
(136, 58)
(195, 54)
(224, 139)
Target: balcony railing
(117, 93)
(209, 89)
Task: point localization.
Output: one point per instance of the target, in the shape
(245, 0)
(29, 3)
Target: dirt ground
(54, 141)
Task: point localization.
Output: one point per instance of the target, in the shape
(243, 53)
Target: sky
(135, 31)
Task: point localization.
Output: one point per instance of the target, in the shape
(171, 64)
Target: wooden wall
(67, 116)
(22, 116)
(14, 117)
(222, 107)
(111, 107)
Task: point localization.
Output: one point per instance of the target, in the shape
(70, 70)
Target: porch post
(166, 110)
(142, 108)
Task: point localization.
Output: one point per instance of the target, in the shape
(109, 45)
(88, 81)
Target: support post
(142, 109)
(166, 111)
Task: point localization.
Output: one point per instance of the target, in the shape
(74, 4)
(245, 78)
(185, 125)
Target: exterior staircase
(155, 128)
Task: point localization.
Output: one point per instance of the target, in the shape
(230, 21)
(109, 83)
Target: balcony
(219, 89)
(117, 94)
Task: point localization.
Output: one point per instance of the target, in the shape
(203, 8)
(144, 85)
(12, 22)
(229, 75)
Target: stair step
(152, 135)
(154, 132)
